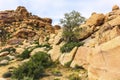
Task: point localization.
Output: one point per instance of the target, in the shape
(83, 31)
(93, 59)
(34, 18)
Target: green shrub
(68, 64)
(33, 68)
(36, 42)
(10, 50)
(56, 79)
(69, 46)
(47, 39)
(26, 53)
(4, 58)
(47, 46)
(56, 72)
(74, 77)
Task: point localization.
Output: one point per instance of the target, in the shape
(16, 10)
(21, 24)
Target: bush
(33, 68)
(69, 46)
(26, 53)
(10, 50)
(68, 64)
(74, 77)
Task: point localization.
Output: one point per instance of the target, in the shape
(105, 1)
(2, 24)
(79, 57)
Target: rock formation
(21, 24)
(100, 33)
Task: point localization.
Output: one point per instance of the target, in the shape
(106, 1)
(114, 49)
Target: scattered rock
(37, 50)
(19, 50)
(11, 57)
(4, 62)
(5, 53)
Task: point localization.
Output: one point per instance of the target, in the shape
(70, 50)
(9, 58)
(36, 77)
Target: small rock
(4, 53)
(11, 57)
(19, 50)
(4, 62)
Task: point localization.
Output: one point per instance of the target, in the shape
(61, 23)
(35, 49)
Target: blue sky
(55, 9)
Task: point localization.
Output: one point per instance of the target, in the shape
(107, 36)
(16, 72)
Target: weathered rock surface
(105, 61)
(19, 50)
(5, 53)
(21, 24)
(81, 57)
(107, 30)
(67, 57)
(4, 62)
(55, 52)
(37, 50)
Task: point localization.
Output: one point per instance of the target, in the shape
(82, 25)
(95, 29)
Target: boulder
(58, 38)
(15, 41)
(115, 7)
(57, 27)
(115, 21)
(55, 52)
(51, 38)
(25, 34)
(81, 57)
(47, 20)
(3, 79)
(19, 50)
(11, 57)
(5, 53)
(67, 57)
(4, 62)
(104, 62)
(37, 50)
(95, 19)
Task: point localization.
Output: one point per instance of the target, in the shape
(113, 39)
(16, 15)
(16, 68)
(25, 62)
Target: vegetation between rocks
(33, 68)
(69, 46)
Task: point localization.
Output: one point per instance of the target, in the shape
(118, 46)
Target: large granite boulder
(104, 62)
(66, 58)
(81, 57)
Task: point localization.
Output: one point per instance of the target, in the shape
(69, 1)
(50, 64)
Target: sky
(56, 9)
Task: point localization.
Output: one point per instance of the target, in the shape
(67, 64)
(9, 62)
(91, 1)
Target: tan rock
(57, 27)
(115, 22)
(55, 52)
(58, 38)
(47, 20)
(5, 53)
(19, 50)
(51, 38)
(15, 41)
(37, 50)
(67, 57)
(95, 19)
(115, 7)
(105, 61)
(81, 56)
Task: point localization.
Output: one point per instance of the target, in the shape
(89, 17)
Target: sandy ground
(4, 69)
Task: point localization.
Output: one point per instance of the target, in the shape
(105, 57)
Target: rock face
(106, 27)
(67, 57)
(105, 62)
(55, 52)
(21, 24)
(85, 30)
(100, 54)
(81, 57)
